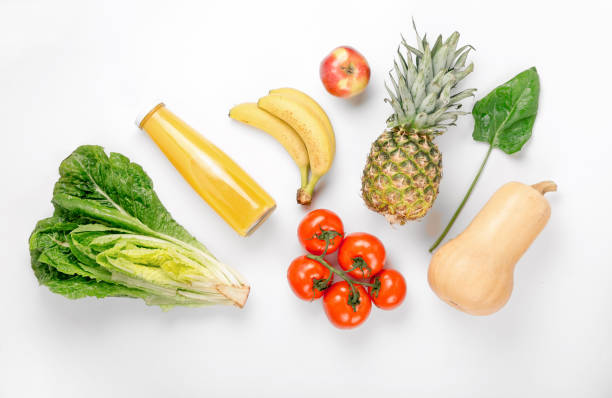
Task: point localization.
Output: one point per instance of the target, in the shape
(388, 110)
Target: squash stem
(465, 198)
(545, 186)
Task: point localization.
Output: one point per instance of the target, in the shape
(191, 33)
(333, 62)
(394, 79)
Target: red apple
(344, 72)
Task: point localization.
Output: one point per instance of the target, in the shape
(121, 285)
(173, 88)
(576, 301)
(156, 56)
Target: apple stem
(348, 69)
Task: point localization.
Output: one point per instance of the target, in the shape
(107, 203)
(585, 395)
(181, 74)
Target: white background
(76, 72)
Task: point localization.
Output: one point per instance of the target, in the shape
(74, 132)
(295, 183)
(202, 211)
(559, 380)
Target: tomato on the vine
(391, 291)
(318, 225)
(363, 254)
(337, 304)
(304, 274)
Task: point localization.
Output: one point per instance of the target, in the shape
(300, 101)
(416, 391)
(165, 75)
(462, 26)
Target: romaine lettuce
(111, 236)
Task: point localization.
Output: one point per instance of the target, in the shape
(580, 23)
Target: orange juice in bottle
(224, 185)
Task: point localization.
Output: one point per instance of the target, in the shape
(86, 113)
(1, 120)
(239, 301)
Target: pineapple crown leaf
(423, 81)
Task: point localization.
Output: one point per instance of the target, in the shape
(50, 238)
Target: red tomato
(315, 223)
(360, 247)
(301, 275)
(339, 311)
(392, 289)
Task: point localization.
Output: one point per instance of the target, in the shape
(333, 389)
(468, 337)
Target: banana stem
(304, 195)
(303, 176)
(465, 198)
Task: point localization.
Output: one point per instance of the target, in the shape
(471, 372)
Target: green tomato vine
(358, 263)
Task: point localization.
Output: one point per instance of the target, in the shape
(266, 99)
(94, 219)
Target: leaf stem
(465, 198)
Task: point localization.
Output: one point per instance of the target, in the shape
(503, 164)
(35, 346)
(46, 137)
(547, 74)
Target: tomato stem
(354, 297)
(359, 263)
(326, 235)
(341, 273)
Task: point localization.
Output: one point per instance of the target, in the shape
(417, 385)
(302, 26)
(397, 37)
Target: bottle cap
(152, 107)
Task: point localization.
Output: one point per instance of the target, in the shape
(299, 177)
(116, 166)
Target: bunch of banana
(301, 126)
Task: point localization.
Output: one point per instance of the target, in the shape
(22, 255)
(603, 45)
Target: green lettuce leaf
(111, 236)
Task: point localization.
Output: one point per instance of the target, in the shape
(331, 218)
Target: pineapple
(404, 167)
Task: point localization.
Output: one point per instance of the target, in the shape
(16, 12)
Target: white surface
(75, 72)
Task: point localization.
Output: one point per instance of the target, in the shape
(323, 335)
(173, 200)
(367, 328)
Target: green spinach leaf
(505, 117)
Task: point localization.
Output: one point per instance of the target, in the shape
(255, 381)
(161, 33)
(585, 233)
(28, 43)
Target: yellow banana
(309, 102)
(313, 132)
(249, 113)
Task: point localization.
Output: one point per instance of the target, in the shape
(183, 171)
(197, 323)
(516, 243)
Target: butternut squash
(474, 272)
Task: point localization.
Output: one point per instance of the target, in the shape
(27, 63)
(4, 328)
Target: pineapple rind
(402, 175)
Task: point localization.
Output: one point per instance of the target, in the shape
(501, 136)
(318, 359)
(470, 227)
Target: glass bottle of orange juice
(224, 185)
